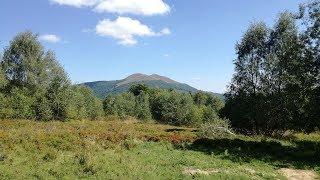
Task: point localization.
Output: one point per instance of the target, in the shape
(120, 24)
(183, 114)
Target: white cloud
(165, 31)
(75, 3)
(50, 38)
(124, 29)
(140, 7)
(166, 55)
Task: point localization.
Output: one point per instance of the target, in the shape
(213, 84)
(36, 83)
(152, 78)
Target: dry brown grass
(78, 133)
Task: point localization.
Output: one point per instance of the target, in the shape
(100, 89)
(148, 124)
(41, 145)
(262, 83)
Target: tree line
(33, 85)
(164, 106)
(276, 80)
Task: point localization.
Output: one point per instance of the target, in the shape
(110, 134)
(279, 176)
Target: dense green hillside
(103, 88)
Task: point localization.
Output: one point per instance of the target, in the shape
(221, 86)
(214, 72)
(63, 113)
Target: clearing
(134, 150)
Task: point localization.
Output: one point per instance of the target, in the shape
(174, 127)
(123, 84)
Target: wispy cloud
(75, 3)
(165, 31)
(124, 29)
(51, 38)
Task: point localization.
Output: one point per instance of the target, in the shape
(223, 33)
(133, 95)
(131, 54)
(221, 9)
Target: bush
(171, 107)
(84, 104)
(21, 104)
(142, 107)
(6, 111)
(195, 115)
(217, 128)
(122, 105)
(164, 106)
(209, 100)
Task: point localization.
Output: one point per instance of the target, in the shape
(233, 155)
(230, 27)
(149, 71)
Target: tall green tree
(275, 82)
(23, 61)
(37, 75)
(58, 89)
(310, 18)
(251, 52)
(246, 86)
(285, 61)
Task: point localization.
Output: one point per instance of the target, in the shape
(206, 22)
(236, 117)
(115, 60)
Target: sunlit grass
(131, 149)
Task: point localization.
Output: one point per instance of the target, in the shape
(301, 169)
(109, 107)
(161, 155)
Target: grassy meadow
(134, 150)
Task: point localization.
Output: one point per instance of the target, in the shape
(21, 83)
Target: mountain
(102, 88)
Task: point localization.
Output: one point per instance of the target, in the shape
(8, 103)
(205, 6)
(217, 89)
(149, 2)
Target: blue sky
(191, 41)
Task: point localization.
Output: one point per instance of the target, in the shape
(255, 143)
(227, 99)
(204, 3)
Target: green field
(130, 149)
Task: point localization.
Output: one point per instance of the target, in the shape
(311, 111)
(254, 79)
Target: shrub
(21, 104)
(137, 89)
(122, 105)
(6, 111)
(195, 115)
(84, 104)
(171, 107)
(164, 106)
(142, 107)
(217, 128)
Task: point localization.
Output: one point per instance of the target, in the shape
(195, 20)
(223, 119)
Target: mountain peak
(103, 88)
(138, 77)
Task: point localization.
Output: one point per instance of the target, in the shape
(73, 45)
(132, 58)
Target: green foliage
(6, 111)
(122, 105)
(42, 108)
(3, 81)
(137, 89)
(21, 104)
(142, 107)
(275, 80)
(84, 104)
(26, 106)
(216, 129)
(200, 98)
(208, 99)
(195, 115)
(310, 17)
(164, 106)
(33, 85)
(209, 113)
(23, 61)
(171, 107)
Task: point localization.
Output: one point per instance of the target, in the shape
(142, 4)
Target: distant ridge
(138, 77)
(103, 88)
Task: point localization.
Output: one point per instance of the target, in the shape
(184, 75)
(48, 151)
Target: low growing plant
(215, 129)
